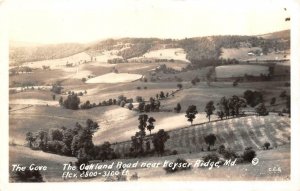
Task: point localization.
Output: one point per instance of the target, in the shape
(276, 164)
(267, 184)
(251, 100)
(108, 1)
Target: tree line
(76, 141)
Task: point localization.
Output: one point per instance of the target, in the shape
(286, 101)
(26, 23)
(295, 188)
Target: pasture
(170, 53)
(115, 78)
(240, 71)
(58, 63)
(242, 54)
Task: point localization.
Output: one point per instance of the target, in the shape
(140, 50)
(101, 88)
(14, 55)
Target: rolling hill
(195, 48)
(236, 133)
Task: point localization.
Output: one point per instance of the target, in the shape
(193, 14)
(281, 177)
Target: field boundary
(21, 108)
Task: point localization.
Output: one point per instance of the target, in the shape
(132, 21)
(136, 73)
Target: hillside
(237, 134)
(29, 52)
(196, 49)
(286, 35)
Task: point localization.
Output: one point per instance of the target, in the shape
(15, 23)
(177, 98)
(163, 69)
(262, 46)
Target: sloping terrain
(236, 133)
(172, 53)
(115, 78)
(285, 34)
(58, 63)
(240, 71)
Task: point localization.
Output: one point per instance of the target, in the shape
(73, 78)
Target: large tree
(209, 109)
(253, 98)
(30, 138)
(235, 103)
(191, 113)
(150, 125)
(223, 107)
(82, 140)
(261, 109)
(141, 107)
(93, 126)
(210, 140)
(177, 109)
(142, 122)
(104, 152)
(138, 138)
(72, 102)
(159, 139)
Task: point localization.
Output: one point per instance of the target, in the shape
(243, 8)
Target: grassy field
(120, 121)
(240, 71)
(112, 78)
(171, 53)
(57, 63)
(237, 133)
(25, 157)
(242, 54)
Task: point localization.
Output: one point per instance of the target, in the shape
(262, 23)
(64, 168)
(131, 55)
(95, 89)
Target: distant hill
(200, 51)
(286, 34)
(20, 52)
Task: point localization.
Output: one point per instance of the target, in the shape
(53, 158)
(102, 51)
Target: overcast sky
(58, 21)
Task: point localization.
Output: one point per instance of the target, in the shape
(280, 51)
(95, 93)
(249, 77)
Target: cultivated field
(57, 63)
(237, 133)
(115, 78)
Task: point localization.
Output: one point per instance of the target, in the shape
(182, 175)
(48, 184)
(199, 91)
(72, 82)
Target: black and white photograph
(149, 91)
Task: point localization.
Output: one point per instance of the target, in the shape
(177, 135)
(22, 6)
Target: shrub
(134, 176)
(72, 102)
(253, 97)
(248, 148)
(56, 89)
(261, 109)
(139, 99)
(122, 104)
(287, 84)
(130, 106)
(267, 145)
(248, 155)
(28, 176)
(221, 149)
(179, 86)
(182, 164)
(283, 94)
(57, 147)
(210, 140)
(211, 157)
(235, 83)
(174, 152)
(229, 154)
(273, 101)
